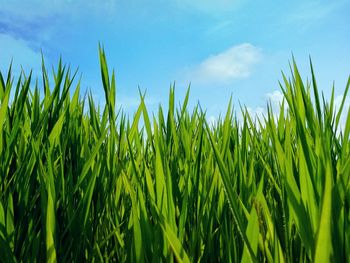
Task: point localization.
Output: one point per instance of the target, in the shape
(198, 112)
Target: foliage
(81, 183)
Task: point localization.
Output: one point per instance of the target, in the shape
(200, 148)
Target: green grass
(84, 183)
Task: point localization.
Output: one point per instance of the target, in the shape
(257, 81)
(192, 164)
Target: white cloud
(258, 112)
(235, 63)
(212, 120)
(276, 97)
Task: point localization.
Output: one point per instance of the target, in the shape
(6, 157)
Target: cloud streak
(313, 12)
(34, 30)
(38, 22)
(234, 63)
(209, 6)
(21, 54)
(50, 7)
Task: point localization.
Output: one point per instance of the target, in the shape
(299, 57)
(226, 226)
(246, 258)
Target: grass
(84, 183)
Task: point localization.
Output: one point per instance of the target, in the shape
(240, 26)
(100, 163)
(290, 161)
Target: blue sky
(221, 47)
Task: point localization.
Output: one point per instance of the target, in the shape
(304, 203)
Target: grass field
(84, 183)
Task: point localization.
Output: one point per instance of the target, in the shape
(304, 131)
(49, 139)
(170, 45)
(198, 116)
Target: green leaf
(50, 229)
(56, 130)
(252, 233)
(232, 198)
(323, 251)
(3, 112)
(136, 222)
(174, 242)
(10, 229)
(90, 160)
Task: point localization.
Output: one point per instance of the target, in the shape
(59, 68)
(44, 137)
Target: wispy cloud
(48, 7)
(210, 6)
(313, 12)
(234, 63)
(23, 38)
(257, 113)
(35, 21)
(21, 54)
(34, 31)
(276, 97)
(221, 27)
(212, 120)
(30, 26)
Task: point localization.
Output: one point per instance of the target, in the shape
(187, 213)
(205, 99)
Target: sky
(221, 48)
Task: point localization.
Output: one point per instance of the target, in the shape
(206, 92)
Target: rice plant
(85, 183)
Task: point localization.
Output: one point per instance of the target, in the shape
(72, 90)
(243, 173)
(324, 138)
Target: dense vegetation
(81, 183)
